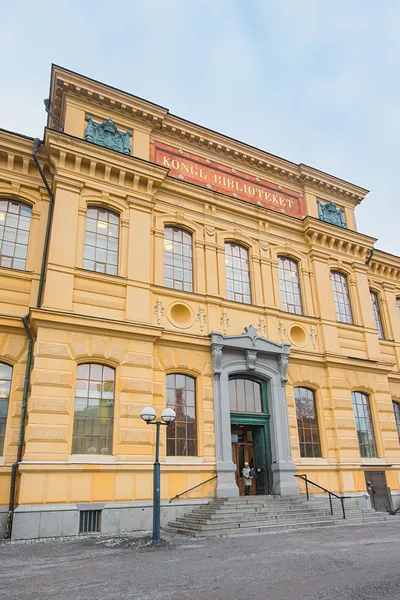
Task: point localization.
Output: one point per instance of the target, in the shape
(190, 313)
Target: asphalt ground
(340, 563)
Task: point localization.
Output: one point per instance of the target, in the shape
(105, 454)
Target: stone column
(283, 468)
(226, 485)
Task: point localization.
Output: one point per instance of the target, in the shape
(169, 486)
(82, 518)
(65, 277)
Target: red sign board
(214, 176)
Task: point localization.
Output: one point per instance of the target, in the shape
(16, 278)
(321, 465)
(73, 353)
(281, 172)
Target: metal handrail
(341, 498)
(193, 488)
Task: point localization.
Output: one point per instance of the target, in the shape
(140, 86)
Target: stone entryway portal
(249, 374)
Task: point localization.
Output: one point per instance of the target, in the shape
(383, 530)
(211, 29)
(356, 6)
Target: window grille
(89, 521)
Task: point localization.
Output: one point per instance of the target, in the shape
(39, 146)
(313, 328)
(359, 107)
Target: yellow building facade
(148, 261)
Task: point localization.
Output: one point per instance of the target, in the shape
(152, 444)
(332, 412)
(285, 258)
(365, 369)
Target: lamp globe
(148, 414)
(168, 415)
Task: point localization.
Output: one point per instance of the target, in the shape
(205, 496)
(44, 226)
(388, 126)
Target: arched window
(178, 261)
(5, 385)
(15, 224)
(307, 423)
(377, 315)
(245, 396)
(396, 409)
(101, 241)
(94, 410)
(290, 286)
(182, 434)
(364, 425)
(237, 273)
(342, 298)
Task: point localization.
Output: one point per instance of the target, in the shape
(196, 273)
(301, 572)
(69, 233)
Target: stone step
(260, 516)
(265, 528)
(234, 522)
(259, 511)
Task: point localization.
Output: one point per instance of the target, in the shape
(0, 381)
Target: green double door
(250, 433)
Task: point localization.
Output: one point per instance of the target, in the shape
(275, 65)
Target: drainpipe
(25, 321)
(48, 227)
(21, 437)
(370, 257)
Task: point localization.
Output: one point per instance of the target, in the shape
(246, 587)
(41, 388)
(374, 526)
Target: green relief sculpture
(331, 214)
(107, 135)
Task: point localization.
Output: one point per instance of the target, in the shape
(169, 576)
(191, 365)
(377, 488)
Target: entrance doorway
(243, 451)
(250, 432)
(377, 489)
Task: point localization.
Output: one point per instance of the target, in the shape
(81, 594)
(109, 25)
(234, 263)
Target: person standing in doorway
(247, 479)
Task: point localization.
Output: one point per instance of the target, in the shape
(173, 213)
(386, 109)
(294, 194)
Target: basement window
(90, 521)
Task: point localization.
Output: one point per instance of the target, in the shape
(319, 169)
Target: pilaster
(63, 244)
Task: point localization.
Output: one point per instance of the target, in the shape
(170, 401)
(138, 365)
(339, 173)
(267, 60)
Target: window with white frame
(237, 273)
(101, 241)
(377, 315)
(5, 386)
(178, 261)
(94, 409)
(289, 285)
(396, 409)
(364, 425)
(342, 299)
(15, 225)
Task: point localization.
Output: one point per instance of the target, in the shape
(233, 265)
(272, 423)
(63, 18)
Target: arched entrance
(248, 399)
(252, 358)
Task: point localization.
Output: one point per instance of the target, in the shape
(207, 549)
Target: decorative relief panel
(331, 214)
(107, 135)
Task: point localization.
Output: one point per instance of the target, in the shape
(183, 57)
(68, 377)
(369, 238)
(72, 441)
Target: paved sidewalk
(338, 563)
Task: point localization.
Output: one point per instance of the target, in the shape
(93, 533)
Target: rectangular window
(237, 273)
(290, 286)
(101, 241)
(15, 224)
(182, 433)
(364, 426)
(94, 410)
(398, 305)
(396, 408)
(342, 299)
(5, 385)
(377, 315)
(178, 264)
(307, 423)
(245, 396)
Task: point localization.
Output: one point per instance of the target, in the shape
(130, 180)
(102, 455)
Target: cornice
(161, 120)
(385, 266)
(84, 161)
(329, 238)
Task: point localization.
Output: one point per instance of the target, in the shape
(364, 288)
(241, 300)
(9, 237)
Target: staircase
(253, 514)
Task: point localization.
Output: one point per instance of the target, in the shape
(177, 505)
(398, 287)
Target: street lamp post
(168, 416)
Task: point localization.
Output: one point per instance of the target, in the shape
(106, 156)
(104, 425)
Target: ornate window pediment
(107, 135)
(331, 214)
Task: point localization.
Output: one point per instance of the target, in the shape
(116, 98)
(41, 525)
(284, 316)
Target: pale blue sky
(314, 81)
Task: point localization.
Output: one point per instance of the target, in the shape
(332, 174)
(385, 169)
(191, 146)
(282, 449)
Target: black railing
(341, 498)
(192, 488)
